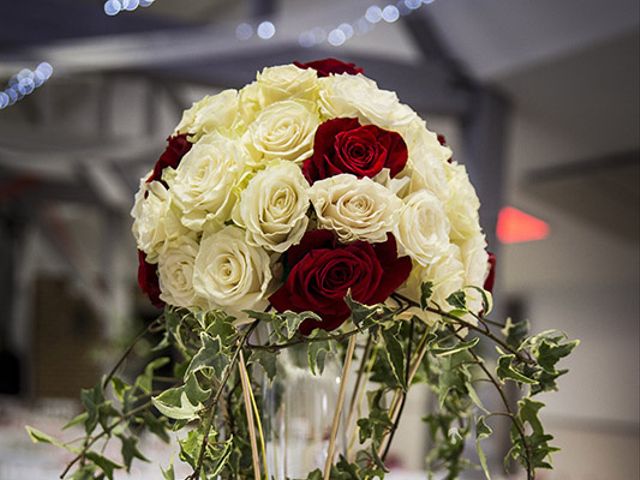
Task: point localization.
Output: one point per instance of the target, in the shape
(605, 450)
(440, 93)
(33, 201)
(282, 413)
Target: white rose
(358, 96)
(284, 130)
(397, 185)
(287, 82)
(423, 228)
(156, 221)
(204, 181)
(175, 274)
(462, 205)
(476, 267)
(446, 275)
(249, 103)
(426, 162)
(356, 209)
(273, 207)
(212, 113)
(231, 273)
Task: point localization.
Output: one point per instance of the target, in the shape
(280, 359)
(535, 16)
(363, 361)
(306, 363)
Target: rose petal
(148, 280)
(178, 146)
(491, 276)
(313, 239)
(327, 66)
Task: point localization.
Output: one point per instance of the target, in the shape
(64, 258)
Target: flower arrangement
(315, 204)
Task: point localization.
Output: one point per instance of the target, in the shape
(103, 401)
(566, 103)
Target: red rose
(491, 277)
(148, 280)
(331, 65)
(176, 149)
(342, 145)
(322, 271)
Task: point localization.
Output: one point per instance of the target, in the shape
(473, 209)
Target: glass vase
(298, 410)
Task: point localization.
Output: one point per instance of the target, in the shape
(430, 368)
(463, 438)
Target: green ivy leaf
(395, 355)
(458, 347)
(548, 348)
(374, 426)
(458, 300)
(515, 332)
(528, 410)
(210, 356)
(507, 371)
(538, 449)
(454, 374)
(38, 436)
(169, 473)
(130, 451)
(194, 392)
(182, 403)
(86, 472)
(426, 290)
(289, 322)
(156, 425)
(106, 411)
(220, 456)
(482, 431)
(266, 360)
(176, 405)
(77, 420)
(218, 325)
(315, 475)
(163, 344)
(473, 395)
(120, 387)
(92, 398)
(316, 354)
(145, 381)
(190, 447)
(106, 465)
(364, 316)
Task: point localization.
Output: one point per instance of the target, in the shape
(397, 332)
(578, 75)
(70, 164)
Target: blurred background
(539, 99)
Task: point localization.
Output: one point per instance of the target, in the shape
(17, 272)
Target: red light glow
(515, 226)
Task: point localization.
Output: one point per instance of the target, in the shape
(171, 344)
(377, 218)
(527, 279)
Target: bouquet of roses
(306, 184)
(315, 203)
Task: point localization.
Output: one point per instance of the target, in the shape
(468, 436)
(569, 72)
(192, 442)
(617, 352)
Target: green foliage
(317, 352)
(395, 355)
(426, 290)
(267, 360)
(482, 432)
(130, 450)
(203, 400)
(367, 316)
(37, 436)
(515, 333)
(107, 466)
(531, 450)
(458, 300)
(183, 402)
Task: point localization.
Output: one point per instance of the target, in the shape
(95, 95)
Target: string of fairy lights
(334, 36)
(24, 83)
(27, 81)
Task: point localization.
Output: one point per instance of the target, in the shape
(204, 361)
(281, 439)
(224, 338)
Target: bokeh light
(24, 83)
(266, 30)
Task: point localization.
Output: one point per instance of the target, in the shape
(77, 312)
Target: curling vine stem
(487, 333)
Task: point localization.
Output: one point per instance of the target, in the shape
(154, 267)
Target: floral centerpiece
(314, 204)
